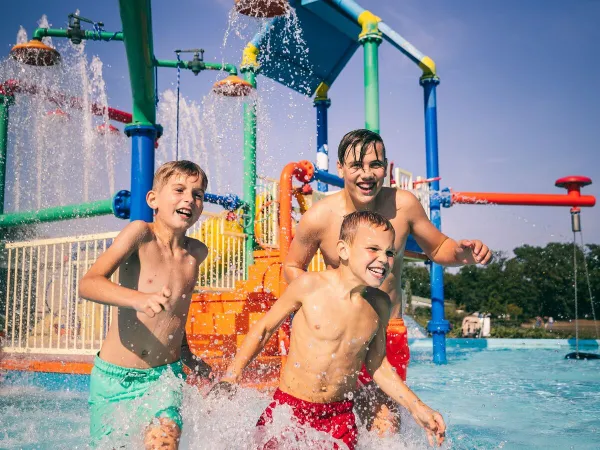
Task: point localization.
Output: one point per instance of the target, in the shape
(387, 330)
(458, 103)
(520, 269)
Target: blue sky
(517, 105)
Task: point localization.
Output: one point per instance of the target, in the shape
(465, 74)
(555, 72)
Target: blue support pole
(322, 102)
(438, 326)
(143, 138)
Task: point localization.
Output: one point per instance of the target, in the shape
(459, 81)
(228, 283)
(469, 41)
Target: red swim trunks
(335, 419)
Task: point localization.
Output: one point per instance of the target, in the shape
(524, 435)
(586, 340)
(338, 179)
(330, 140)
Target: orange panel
(225, 323)
(203, 323)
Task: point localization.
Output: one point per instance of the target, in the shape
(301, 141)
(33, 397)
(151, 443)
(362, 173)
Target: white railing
(43, 310)
(403, 179)
(267, 212)
(226, 261)
(44, 313)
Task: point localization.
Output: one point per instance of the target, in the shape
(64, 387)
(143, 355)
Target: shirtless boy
(135, 386)
(340, 324)
(362, 164)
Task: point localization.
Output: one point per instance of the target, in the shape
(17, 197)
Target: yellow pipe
(322, 91)
(427, 66)
(250, 56)
(368, 21)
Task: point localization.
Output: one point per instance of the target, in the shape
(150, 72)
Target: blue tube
(322, 140)
(438, 326)
(122, 202)
(228, 201)
(326, 177)
(350, 7)
(400, 43)
(142, 168)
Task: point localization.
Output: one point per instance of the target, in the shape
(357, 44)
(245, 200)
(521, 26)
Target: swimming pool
(493, 394)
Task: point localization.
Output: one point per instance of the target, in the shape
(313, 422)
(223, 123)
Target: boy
(339, 325)
(158, 271)
(362, 164)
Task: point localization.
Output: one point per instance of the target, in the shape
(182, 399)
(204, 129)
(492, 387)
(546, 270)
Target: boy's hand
(473, 252)
(431, 421)
(155, 303)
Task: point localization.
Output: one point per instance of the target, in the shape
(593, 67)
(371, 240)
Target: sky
(517, 105)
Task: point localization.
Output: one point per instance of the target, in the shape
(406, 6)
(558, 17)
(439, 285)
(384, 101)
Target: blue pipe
(228, 201)
(322, 140)
(326, 177)
(142, 168)
(121, 204)
(438, 326)
(350, 7)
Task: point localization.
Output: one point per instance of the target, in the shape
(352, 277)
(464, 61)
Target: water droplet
(170, 336)
(333, 355)
(297, 365)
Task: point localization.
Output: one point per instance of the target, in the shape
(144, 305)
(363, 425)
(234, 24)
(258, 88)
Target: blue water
(512, 398)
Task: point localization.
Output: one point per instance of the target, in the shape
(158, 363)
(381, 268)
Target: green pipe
(136, 17)
(250, 167)
(40, 33)
(187, 65)
(57, 213)
(370, 44)
(5, 102)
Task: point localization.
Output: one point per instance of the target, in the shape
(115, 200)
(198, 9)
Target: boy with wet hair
(339, 324)
(362, 163)
(136, 382)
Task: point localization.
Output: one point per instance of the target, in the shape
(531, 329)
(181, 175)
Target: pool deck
(587, 344)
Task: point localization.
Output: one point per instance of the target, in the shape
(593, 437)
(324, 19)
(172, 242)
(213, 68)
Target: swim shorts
(124, 401)
(336, 419)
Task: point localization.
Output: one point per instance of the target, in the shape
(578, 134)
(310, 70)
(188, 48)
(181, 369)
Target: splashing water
(21, 35)
(55, 156)
(43, 23)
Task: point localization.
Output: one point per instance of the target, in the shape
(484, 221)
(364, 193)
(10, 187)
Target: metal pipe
(230, 68)
(438, 325)
(322, 103)
(57, 213)
(328, 178)
(40, 33)
(353, 11)
(249, 68)
(230, 202)
(5, 102)
(370, 38)
(143, 138)
(136, 16)
(571, 199)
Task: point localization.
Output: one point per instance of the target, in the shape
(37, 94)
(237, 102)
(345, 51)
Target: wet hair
(353, 220)
(183, 167)
(359, 141)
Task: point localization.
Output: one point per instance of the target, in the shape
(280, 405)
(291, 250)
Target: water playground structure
(48, 328)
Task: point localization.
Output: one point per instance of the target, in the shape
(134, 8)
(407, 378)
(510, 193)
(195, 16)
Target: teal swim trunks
(124, 401)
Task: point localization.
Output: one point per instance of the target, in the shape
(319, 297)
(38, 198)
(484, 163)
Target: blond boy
(136, 382)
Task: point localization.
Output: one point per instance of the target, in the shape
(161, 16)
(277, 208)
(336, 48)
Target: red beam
(482, 198)
(11, 87)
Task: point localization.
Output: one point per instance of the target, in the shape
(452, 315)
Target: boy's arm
(97, 287)
(439, 247)
(261, 331)
(304, 245)
(390, 382)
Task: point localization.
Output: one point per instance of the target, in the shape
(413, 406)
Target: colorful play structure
(48, 328)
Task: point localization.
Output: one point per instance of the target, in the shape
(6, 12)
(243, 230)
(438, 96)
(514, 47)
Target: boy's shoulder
(378, 298)
(197, 249)
(138, 231)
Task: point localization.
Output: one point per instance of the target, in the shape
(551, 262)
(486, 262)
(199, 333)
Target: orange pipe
(573, 198)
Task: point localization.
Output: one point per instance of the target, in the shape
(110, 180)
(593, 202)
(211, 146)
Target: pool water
(494, 397)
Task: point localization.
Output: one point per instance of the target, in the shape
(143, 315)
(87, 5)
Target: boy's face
(179, 202)
(363, 181)
(371, 255)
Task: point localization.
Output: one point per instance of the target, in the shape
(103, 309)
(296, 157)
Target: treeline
(537, 281)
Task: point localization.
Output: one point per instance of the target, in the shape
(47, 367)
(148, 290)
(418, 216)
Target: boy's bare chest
(154, 269)
(335, 321)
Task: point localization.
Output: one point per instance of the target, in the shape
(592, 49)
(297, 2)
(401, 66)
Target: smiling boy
(136, 382)
(362, 163)
(340, 324)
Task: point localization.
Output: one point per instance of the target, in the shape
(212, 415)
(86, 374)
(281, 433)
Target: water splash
(43, 23)
(21, 35)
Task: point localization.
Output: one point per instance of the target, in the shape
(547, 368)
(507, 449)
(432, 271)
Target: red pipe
(304, 172)
(573, 198)
(11, 87)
